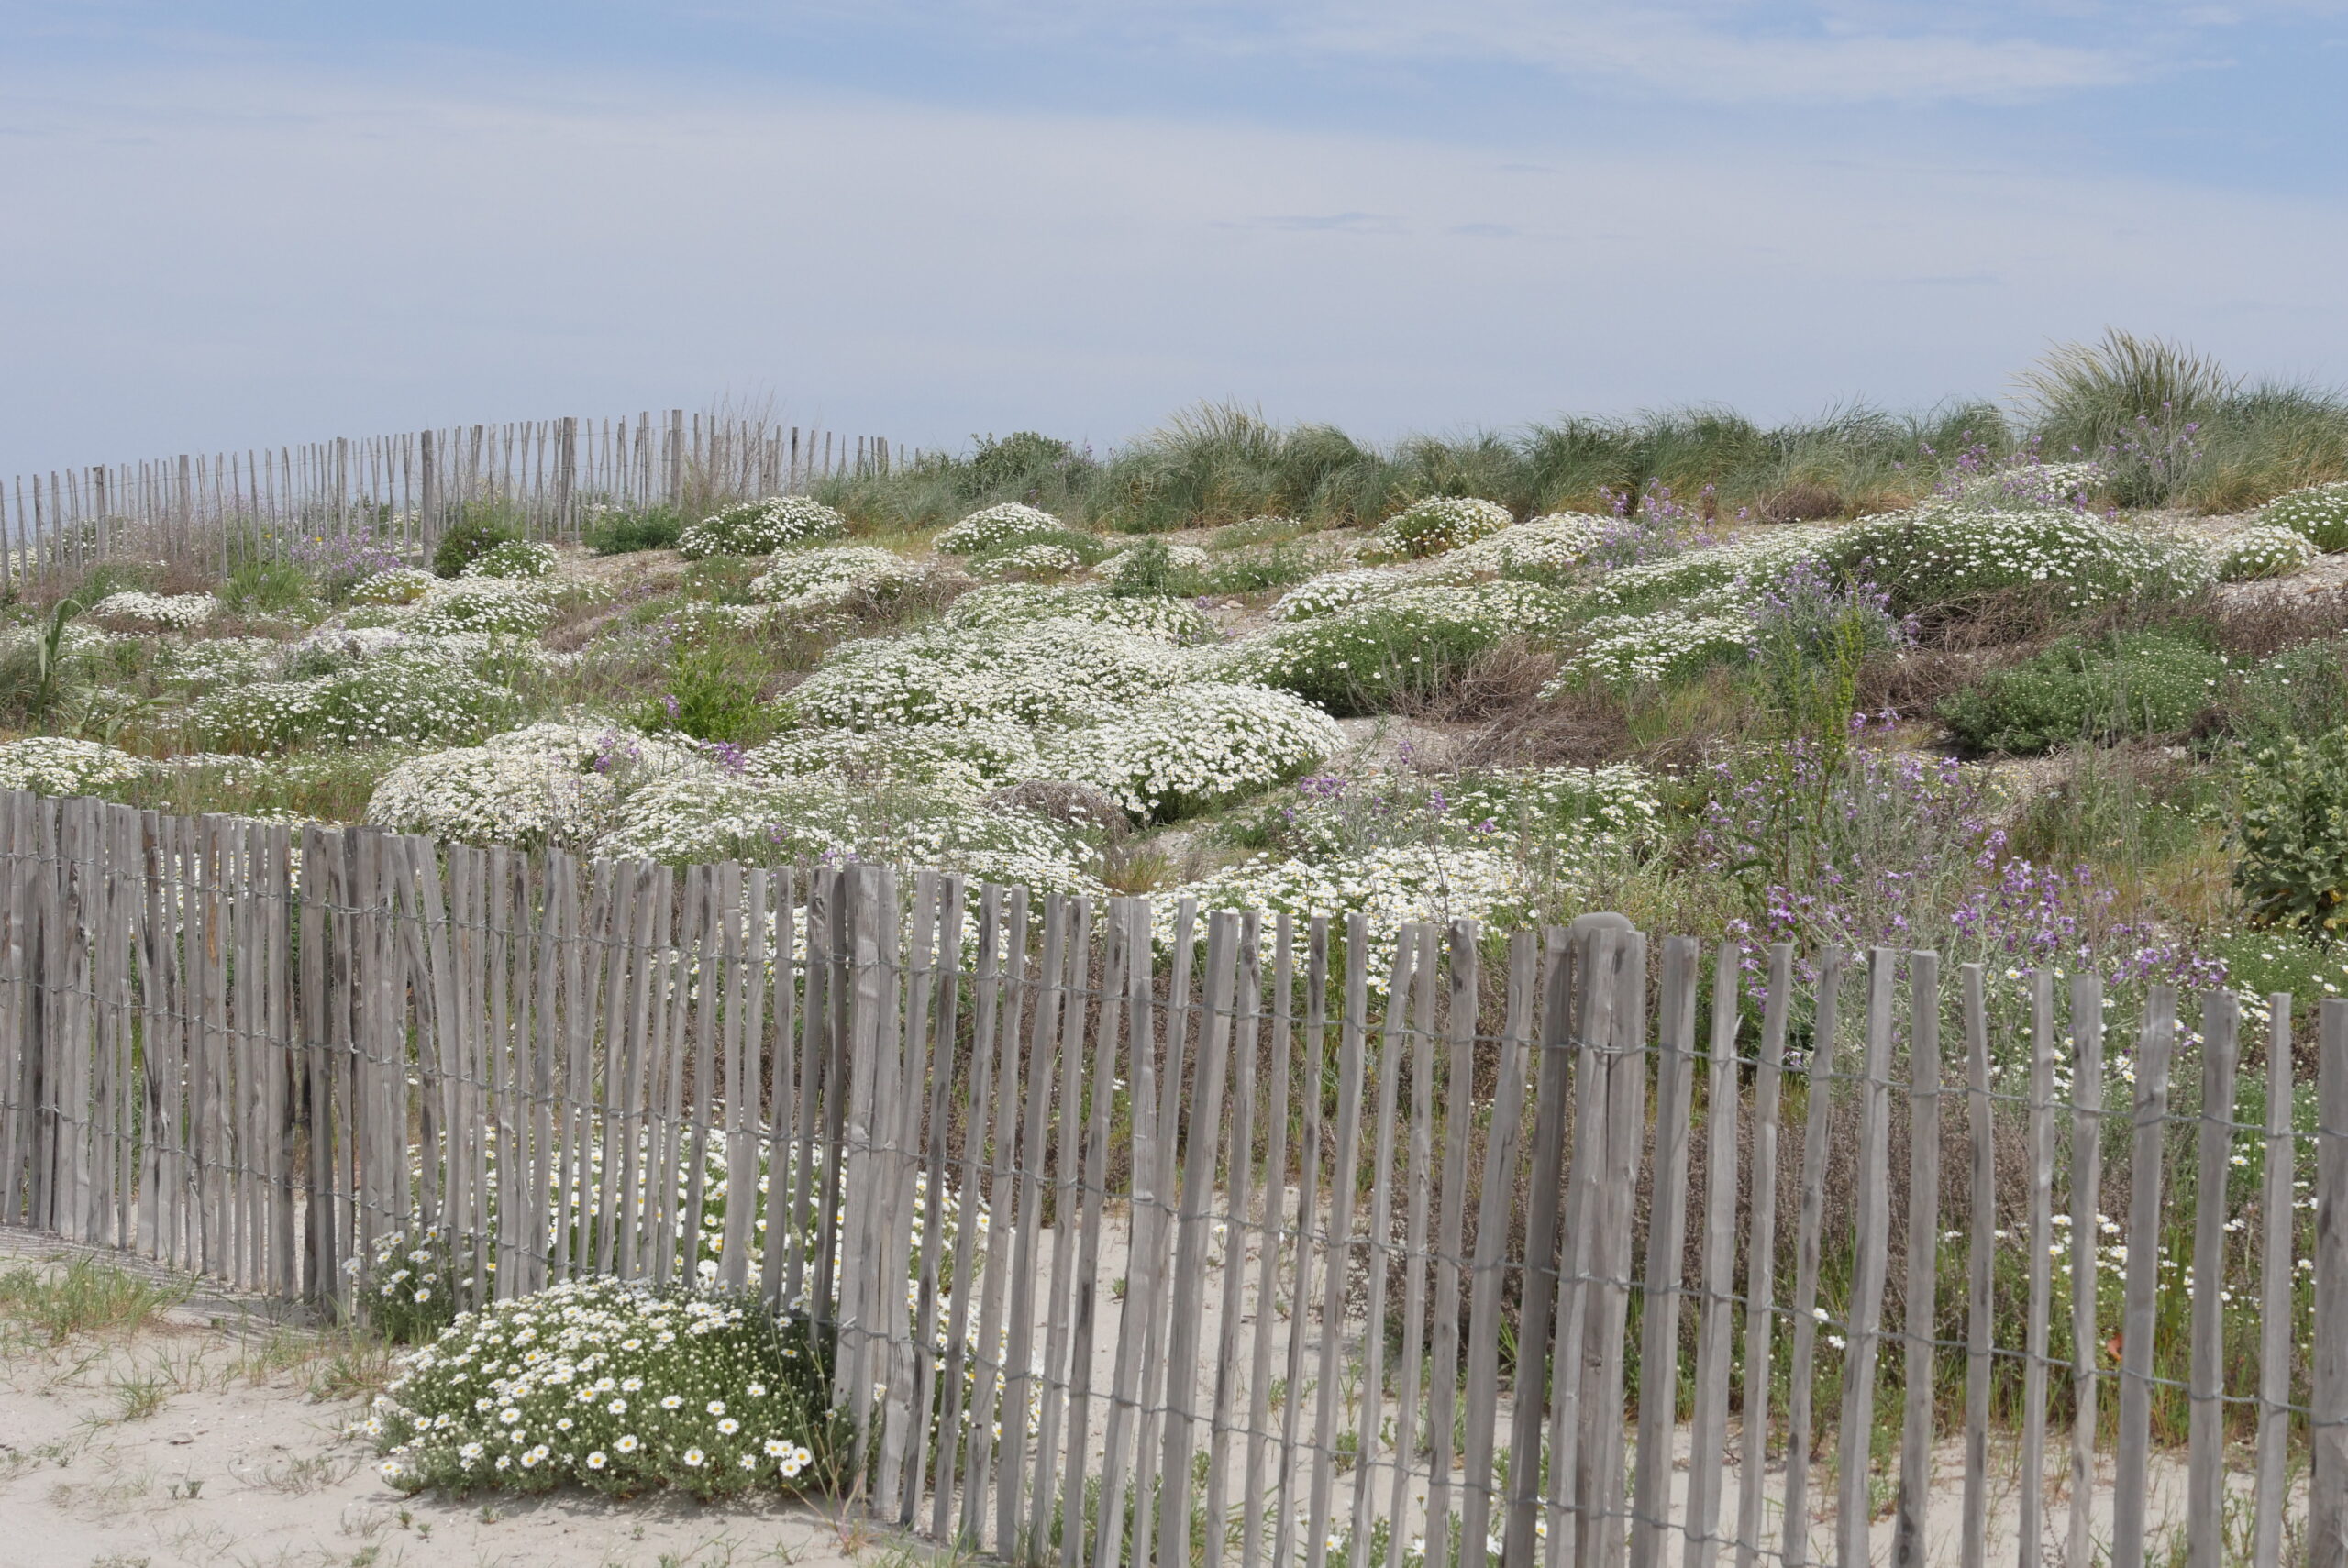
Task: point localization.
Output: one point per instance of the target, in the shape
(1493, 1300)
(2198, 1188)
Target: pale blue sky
(231, 223)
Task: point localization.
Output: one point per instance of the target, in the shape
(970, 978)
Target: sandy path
(215, 1436)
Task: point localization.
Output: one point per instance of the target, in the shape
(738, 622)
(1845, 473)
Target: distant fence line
(1281, 1267)
(406, 488)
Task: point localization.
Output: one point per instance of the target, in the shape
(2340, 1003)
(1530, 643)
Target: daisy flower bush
(828, 577)
(1545, 547)
(514, 606)
(761, 527)
(515, 558)
(699, 818)
(1937, 559)
(1041, 559)
(158, 612)
(612, 1385)
(50, 765)
(1439, 524)
(967, 759)
(2318, 514)
(397, 585)
(409, 699)
(551, 784)
(2263, 552)
(1407, 643)
(1198, 747)
(1392, 885)
(1046, 672)
(998, 527)
(1653, 646)
(1011, 603)
(1335, 591)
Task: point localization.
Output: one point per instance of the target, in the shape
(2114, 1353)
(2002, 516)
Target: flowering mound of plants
(1941, 560)
(1118, 567)
(395, 585)
(1042, 560)
(2318, 514)
(688, 818)
(1013, 603)
(1043, 672)
(1439, 524)
(1198, 747)
(159, 611)
(52, 765)
(1548, 545)
(826, 576)
(997, 527)
(549, 784)
(2264, 552)
(518, 607)
(1407, 643)
(1653, 646)
(414, 700)
(1334, 591)
(611, 1386)
(967, 758)
(515, 558)
(761, 527)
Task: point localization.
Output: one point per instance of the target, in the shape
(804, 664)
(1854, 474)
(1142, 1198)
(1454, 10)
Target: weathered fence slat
(2133, 1452)
(2277, 1219)
(2031, 1498)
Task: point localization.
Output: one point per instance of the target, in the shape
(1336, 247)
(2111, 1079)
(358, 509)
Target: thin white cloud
(1715, 50)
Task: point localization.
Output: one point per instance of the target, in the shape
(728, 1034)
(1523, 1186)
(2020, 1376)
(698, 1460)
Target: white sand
(241, 1462)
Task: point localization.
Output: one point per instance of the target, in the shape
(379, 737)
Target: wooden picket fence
(1183, 1237)
(548, 476)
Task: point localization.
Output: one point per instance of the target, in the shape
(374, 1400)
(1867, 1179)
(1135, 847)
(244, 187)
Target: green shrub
(266, 586)
(465, 541)
(620, 531)
(2301, 690)
(2318, 515)
(617, 1386)
(2291, 864)
(2146, 683)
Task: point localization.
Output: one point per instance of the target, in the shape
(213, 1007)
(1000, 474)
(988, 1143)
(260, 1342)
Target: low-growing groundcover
(614, 1386)
(2145, 684)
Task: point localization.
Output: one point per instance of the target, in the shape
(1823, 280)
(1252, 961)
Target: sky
(229, 224)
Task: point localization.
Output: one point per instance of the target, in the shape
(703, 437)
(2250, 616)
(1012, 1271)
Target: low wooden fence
(547, 476)
(1175, 1237)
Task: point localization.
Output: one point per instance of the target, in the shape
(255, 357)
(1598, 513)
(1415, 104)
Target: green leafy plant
(465, 541)
(41, 673)
(265, 585)
(620, 531)
(2140, 684)
(2292, 836)
(712, 693)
